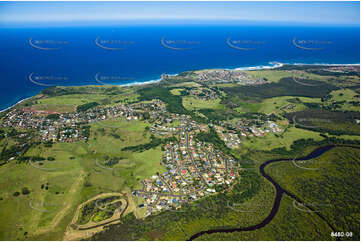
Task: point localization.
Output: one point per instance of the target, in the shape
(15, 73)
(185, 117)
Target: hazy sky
(25, 13)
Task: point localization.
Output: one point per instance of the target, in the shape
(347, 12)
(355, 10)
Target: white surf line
(15, 104)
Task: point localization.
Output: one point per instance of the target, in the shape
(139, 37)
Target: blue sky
(72, 13)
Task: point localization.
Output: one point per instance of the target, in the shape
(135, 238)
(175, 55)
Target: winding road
(194, 164)
(176, 162)
(279, 193)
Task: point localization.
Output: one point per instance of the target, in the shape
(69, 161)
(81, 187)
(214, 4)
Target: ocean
(32, 59)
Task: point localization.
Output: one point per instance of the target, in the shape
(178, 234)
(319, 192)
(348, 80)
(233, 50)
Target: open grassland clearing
(176, 91)
(277, 105)
(277, 75)
(54, 108)
(112, 135)
(285, 104)
(52, 196)
(191, 103)
(186, 84)
(345, 99)
(68, 102)
(68, 174)
(270, 75)
(271, 141)
(72, 99)
(345, 95)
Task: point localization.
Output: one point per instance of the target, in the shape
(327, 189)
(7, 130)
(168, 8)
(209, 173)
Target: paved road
(178, 170)
(226, 162)
(209, 160)
(194, 164)
(169, 195)
(162, 194)
(167, 185)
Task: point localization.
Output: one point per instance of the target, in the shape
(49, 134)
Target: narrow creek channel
(279, 192)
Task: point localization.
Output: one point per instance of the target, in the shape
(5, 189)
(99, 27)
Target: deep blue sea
(32, 59)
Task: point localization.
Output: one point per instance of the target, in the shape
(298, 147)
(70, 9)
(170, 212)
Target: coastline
(272, 65)
(22, 100)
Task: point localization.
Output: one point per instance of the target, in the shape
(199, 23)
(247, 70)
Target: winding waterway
(279, 193)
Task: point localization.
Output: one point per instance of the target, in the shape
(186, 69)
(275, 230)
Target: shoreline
(22, 100)
(272, 65)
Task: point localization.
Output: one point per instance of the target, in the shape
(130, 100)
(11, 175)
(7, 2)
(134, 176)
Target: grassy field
(176, 91)
(276, 75)
(58, 187)
(112, 135)
(271, 75)
(344, 96)
(72, 99)
(66, 103)
(276, 105)
(271, 141)
(248, 107)
(186, 84)
(44, 209)
(192, 103)
(279, 104)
